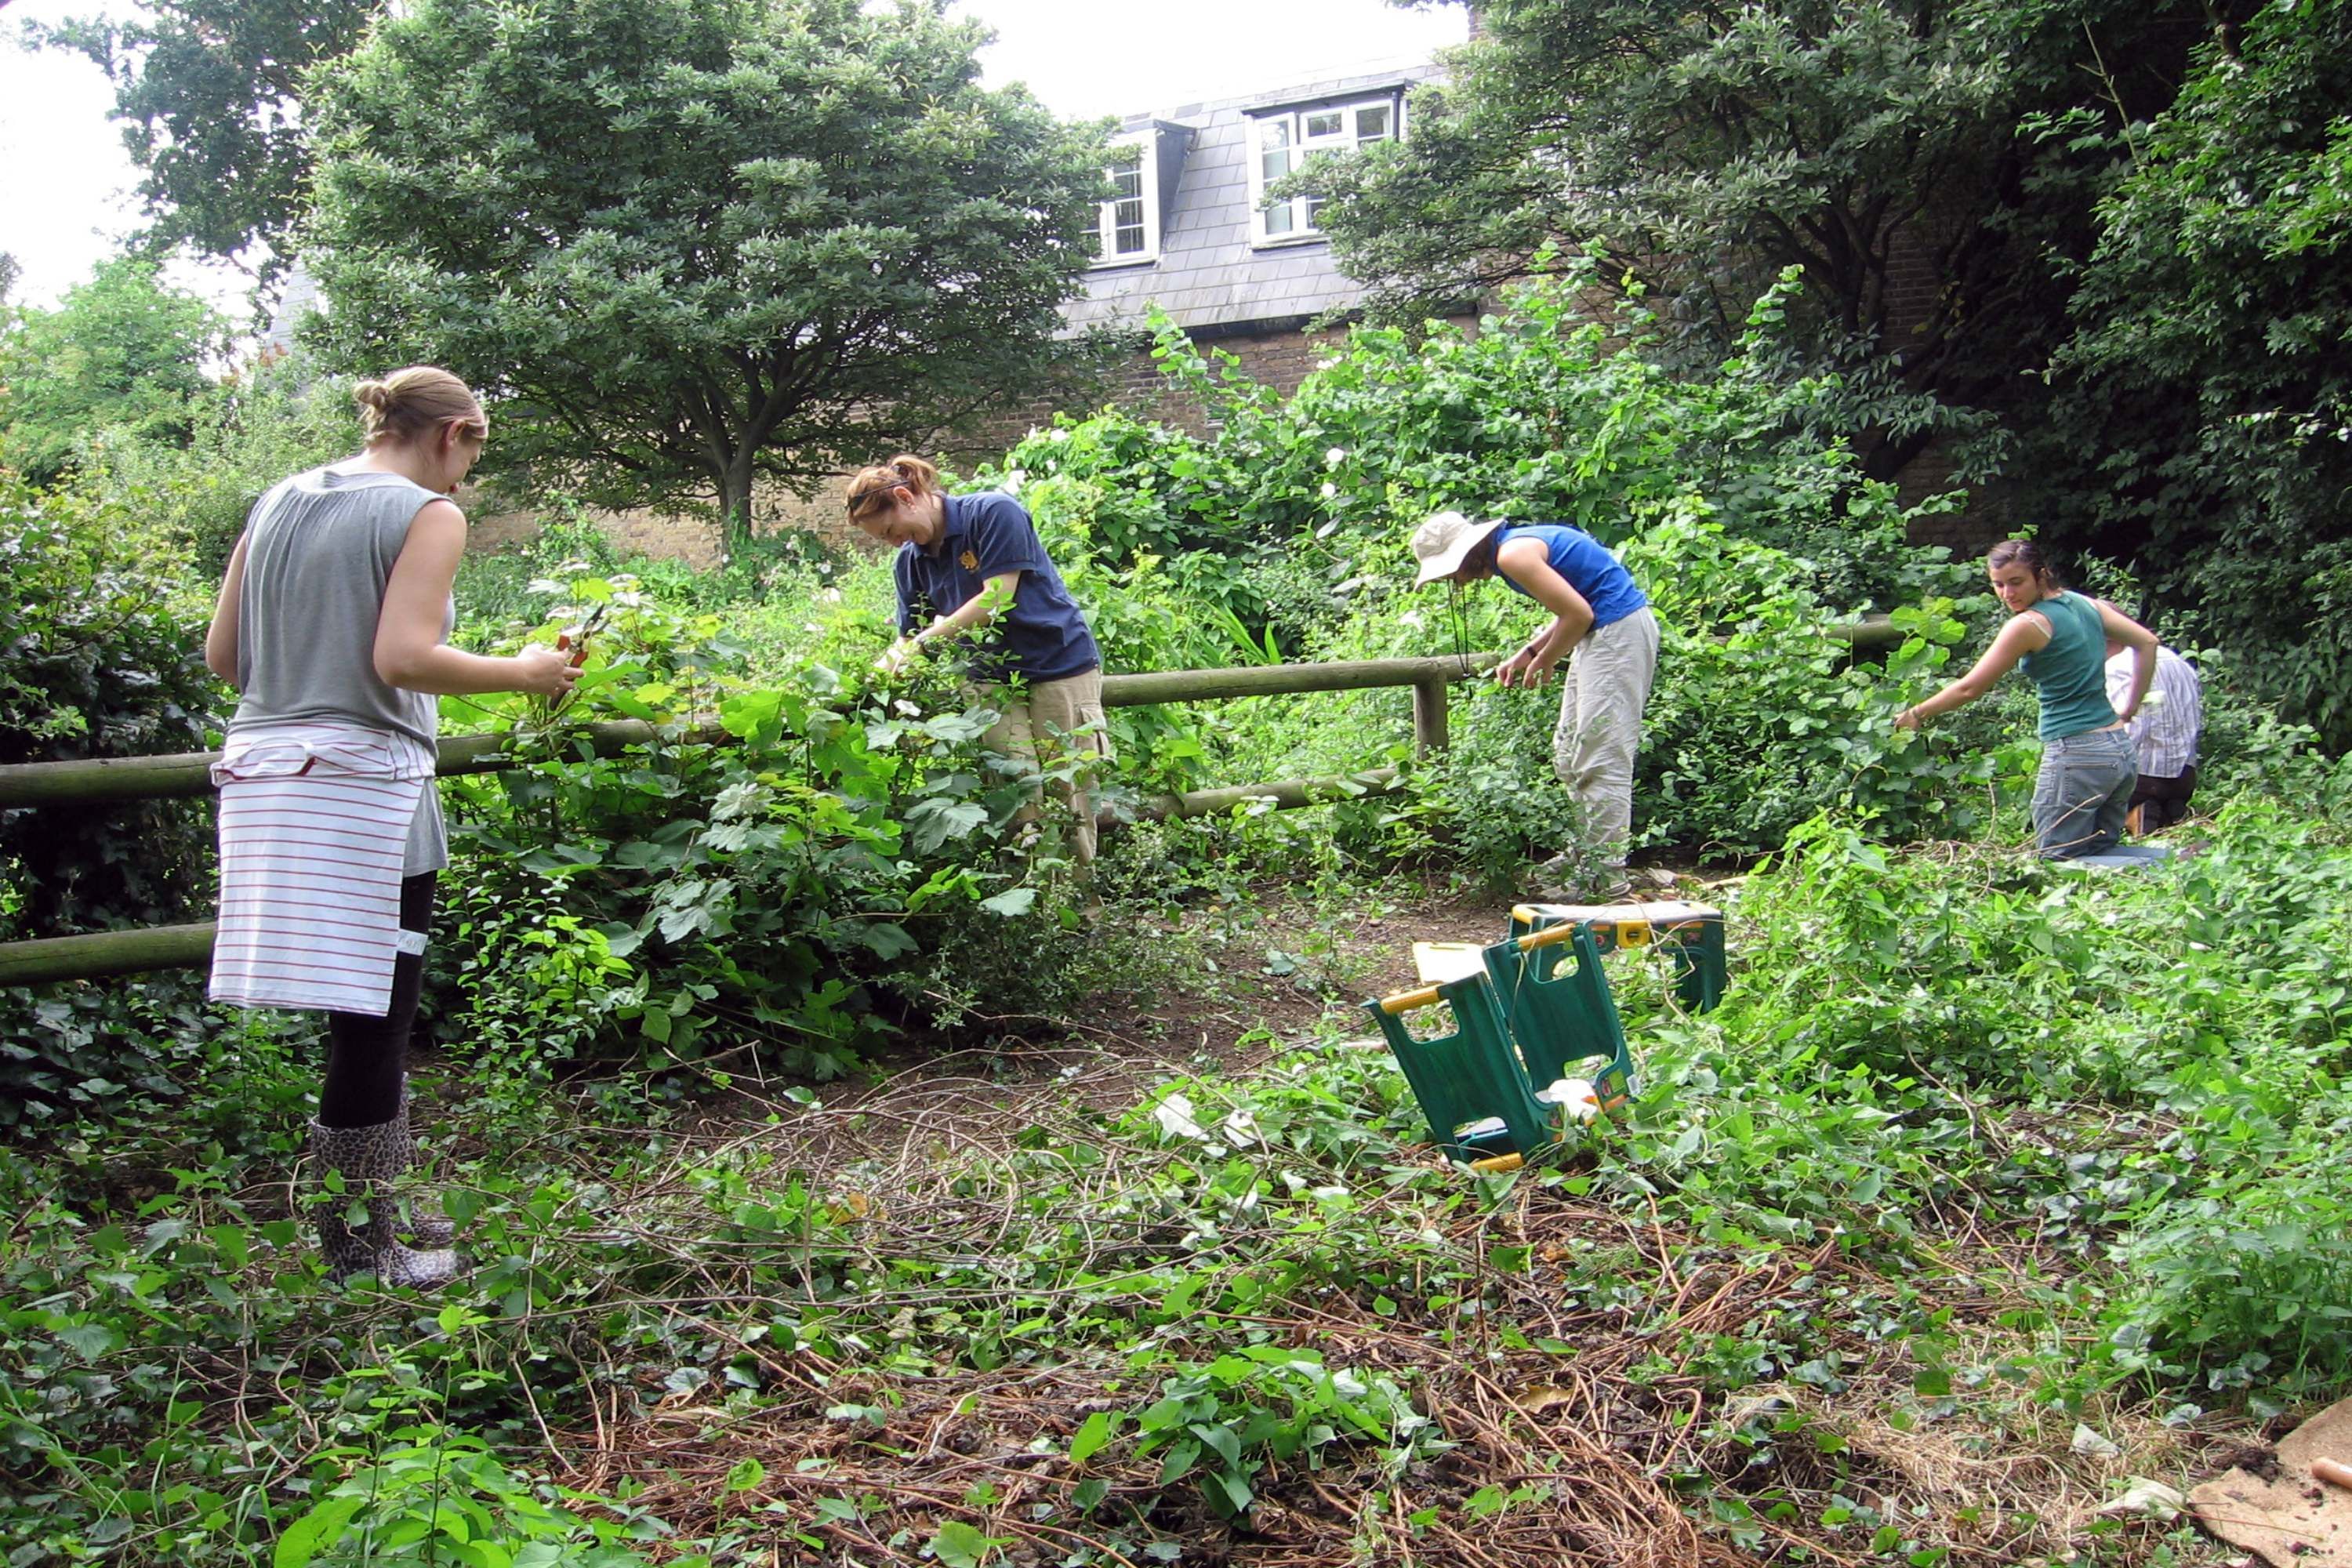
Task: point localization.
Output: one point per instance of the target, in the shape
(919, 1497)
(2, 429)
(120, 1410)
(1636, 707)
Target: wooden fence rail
(102, 780)
(96, 780)
(98, 954)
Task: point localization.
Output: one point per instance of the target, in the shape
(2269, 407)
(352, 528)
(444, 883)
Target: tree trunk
(735, 502)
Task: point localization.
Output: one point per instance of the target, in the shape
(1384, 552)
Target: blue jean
(2082, 794)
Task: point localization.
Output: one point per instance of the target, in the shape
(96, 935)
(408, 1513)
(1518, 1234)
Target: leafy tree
(2203, 430)
(689, 242)
(121, 351)
(209, 92)
(1707, 147)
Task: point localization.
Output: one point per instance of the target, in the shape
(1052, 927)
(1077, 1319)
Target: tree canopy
(687, 242)
(123, 350)
(210, 93)
(1705, 148)
(2202, 429)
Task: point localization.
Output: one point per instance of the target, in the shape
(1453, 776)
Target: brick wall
(1913, 284)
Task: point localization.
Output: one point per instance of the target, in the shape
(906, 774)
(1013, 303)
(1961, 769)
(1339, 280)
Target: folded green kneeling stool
(1554, 997)
(1692, 932)
(1469, 1082)
(1519, 1023)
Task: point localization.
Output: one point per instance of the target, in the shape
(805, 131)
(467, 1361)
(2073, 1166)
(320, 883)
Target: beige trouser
(1050, 725)
(1607, 686)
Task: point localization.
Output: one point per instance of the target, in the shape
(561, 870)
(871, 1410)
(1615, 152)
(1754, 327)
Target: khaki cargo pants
(1047, 725)
(1599, 728)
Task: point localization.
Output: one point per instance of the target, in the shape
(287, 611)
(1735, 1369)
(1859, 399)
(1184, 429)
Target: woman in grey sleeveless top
(333, 624)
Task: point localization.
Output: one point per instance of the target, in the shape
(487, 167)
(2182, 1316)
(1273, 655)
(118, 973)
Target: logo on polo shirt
(971, 561)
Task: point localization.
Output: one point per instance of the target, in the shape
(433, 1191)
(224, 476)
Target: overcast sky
(66, 182)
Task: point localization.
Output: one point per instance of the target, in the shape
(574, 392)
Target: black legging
(367, 1058)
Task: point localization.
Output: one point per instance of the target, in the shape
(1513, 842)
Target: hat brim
(1444, 565)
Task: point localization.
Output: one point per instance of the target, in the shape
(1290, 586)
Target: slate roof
(1208, 275)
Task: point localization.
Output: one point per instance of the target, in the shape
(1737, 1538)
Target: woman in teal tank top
(2060, 639)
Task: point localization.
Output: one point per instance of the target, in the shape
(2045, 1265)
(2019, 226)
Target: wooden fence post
(1429, 702)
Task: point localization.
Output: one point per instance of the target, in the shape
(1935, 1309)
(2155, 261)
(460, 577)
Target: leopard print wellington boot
(428, 1224)
(370, 1160)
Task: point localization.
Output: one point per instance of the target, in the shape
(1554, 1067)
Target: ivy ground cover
(1987, 1188)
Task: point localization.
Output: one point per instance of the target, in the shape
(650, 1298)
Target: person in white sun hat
(1601, 623)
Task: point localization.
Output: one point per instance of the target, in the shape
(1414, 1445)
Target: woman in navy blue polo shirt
(970, 569)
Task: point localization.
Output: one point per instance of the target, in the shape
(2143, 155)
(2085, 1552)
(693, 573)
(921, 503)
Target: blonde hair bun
(412, 402)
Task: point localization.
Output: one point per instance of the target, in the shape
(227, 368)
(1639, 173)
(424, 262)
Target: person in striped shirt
(2166, 730)
(332, 624)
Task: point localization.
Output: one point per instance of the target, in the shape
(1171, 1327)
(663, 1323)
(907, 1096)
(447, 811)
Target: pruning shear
(573, 639)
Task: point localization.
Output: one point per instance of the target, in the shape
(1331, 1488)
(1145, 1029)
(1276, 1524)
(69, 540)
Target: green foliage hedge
(850, 862)
(1283, 535)
(191, 497)
(100, 660)
(121, 351)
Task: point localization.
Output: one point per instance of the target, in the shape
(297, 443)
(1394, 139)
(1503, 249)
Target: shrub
(1283, 535)
(101, 662)
(849, 862)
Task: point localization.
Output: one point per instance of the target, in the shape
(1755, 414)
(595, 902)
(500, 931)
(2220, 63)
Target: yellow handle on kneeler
(1629, 933)
(1499, 1164)
(1548, 936)
(1409, 1001)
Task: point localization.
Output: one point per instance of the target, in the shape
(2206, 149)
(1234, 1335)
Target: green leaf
(1093, 1432)
(1179, 1461)
(231, 1242)
(959, 1545)
(957, 728)
(887, 940)
(1010, 902)
(321, 1526)
(1220, 1441)
(90, 1340)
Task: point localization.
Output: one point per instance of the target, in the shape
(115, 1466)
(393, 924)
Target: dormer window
(1126, 230)
(1281, 140)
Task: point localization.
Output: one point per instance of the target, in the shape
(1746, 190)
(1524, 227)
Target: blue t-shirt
(1043, 637)
(1587, 565)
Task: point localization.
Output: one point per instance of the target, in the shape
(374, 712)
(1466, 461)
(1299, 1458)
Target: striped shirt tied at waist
(314, 833)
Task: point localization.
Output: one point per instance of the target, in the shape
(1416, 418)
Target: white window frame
(1107, 226)
(1302, 139)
